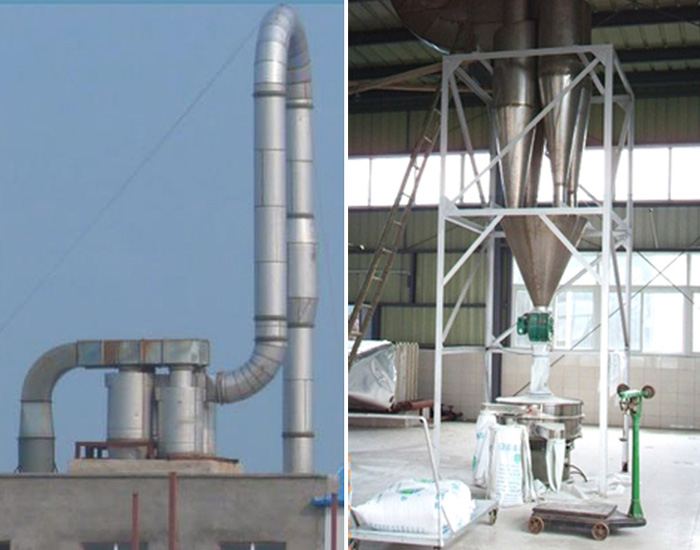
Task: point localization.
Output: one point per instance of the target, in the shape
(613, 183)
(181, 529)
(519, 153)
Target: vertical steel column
(488, 315)
(503, 278)
(628, 276)
(608, 61)
(135, 522)
(496, 198)
(173, 536)
(447, 69)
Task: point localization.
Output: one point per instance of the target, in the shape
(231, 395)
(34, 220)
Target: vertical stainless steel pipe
(303, 297)
(283, 227)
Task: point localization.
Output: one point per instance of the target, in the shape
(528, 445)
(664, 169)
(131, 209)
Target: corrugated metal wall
(394, 133)
(658, 121)
(407, 311)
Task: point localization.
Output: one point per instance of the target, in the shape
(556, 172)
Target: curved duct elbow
(254, 375)
(282, 101)
(36, 431)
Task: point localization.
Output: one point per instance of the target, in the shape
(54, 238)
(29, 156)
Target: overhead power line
(124, 186)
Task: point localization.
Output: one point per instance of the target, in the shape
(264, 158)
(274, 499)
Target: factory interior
(523, 274)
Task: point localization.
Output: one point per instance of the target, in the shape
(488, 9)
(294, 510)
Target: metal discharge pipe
(282, 227)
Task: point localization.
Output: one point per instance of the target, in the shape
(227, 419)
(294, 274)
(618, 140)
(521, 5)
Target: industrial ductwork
(285, 295)
(282, 224)
(36, 431)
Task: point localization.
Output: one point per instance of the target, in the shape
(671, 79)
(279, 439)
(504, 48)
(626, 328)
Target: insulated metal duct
(453, 26)
(282, 91)
(36, 434)
(36, 431)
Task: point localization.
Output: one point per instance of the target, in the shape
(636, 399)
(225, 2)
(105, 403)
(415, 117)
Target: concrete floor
(670, 472)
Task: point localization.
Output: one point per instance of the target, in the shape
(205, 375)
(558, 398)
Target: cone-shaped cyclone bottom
(541, 256)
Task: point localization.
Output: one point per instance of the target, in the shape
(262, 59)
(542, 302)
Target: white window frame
(465, 171)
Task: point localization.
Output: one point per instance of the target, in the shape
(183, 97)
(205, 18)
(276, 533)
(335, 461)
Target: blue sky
(86, 91)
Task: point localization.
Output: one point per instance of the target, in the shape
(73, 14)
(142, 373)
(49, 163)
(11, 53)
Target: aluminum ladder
(390, 239)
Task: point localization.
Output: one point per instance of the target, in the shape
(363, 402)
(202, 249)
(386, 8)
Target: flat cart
(445, 537)
(600, 518)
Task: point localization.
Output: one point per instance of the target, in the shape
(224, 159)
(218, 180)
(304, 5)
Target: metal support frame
(614, 230)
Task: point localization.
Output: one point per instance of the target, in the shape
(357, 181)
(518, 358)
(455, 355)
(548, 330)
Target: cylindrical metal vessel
(129, 404)
(515, 105)
(564, 23)
(565, 410)
(547, 411)
(179, 403)
(209, 438)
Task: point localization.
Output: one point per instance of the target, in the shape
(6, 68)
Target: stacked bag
(411, 506)
(502, 462)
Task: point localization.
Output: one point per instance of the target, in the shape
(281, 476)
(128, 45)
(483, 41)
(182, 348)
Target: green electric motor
(539, 326)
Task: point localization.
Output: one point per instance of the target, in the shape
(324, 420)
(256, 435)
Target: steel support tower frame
(614, 229)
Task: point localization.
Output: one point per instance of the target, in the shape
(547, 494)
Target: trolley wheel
(648, 391)
(621, 388)
(535, 525)
(493, 516)
(600, 531)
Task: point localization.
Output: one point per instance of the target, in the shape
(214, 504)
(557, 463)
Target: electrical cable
(123, 187)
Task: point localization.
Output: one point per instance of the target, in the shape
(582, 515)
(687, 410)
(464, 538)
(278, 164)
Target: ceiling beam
(662, 79)
(650, 55)
(385, 36)
(601, 19)
(637, 55)
(645, 84)
(375, 73)
(646, 16)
